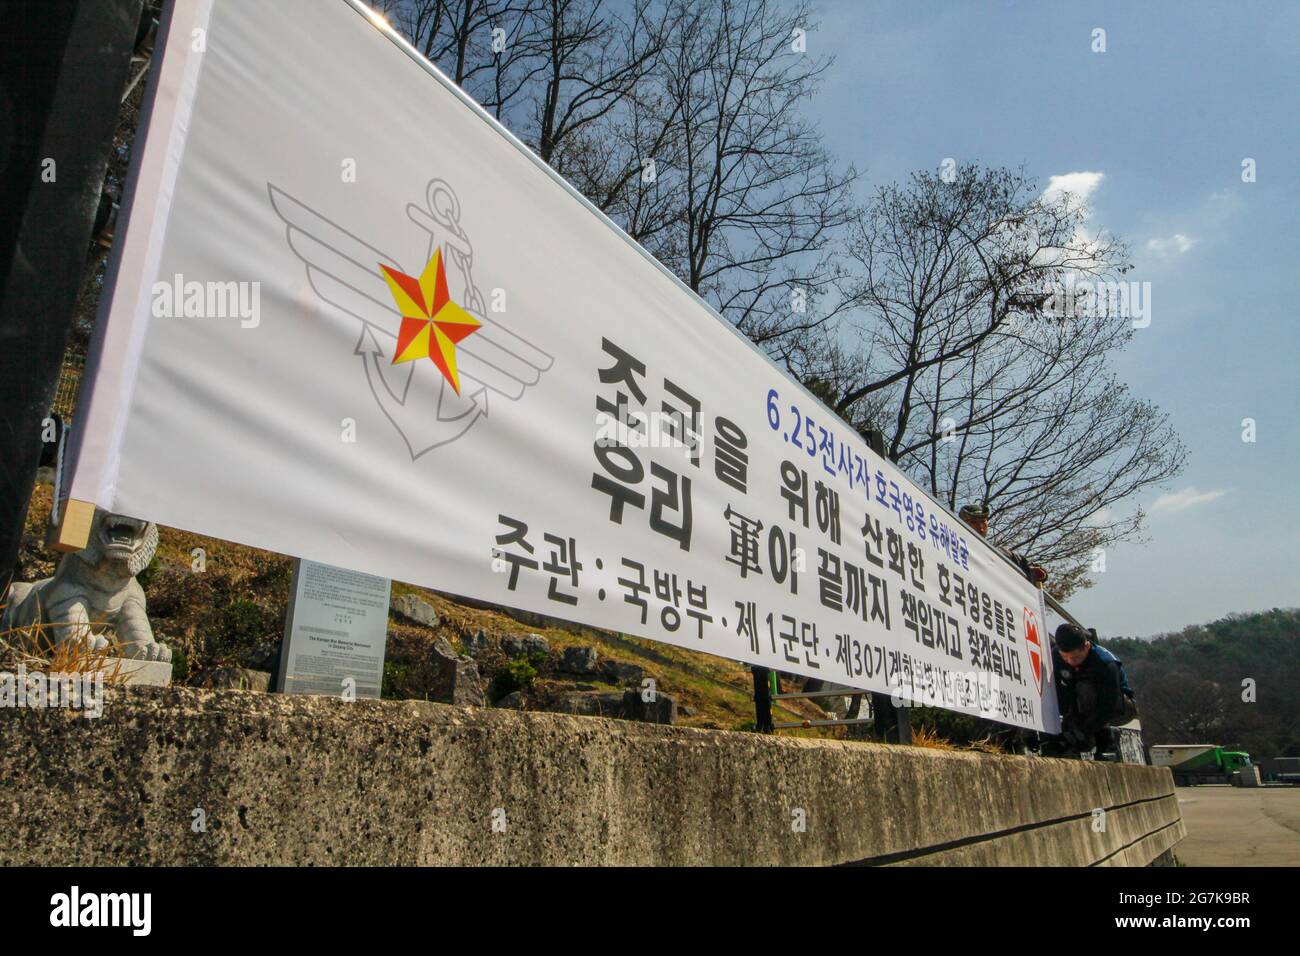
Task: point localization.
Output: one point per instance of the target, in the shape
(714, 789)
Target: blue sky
(1183, 93)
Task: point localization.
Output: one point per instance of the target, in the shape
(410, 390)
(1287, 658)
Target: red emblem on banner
(1035, 645)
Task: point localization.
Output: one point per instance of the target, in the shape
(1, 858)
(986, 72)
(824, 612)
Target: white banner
(355, 321)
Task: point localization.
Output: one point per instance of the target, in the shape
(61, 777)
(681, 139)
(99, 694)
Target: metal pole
(1056, 606)
(63, 64)
(762, 699)
(842, 692)
(892, 724)
(904, 725)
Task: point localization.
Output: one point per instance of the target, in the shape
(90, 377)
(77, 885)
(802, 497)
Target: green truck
(1200, 763)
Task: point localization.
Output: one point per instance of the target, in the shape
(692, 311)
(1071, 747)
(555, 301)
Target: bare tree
(983, 388)
(487, 47)
(590, 60)
(547, 68)
(761, 198)
(712, 163)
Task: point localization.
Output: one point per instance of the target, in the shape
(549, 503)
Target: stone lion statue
(95, 588)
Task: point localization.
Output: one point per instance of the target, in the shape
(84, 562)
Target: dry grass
(927, 737)
(931, 738)
(985, 745)
(37, 648)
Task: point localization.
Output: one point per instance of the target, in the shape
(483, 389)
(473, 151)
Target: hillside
(1235, 682)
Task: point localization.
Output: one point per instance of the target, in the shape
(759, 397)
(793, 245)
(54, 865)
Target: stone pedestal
(132, 672)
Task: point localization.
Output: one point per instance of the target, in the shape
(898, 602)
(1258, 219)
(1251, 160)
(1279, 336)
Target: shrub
(515, 675)
(396, 680)
(180, 661)
(241, 621)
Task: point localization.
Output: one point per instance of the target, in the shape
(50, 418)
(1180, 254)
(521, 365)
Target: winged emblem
(430, 404)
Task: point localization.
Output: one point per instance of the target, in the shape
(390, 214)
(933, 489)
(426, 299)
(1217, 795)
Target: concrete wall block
(296, 780)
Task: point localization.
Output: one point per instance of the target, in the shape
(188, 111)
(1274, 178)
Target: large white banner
(354, 321)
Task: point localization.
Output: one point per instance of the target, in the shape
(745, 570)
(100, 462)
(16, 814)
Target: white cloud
(1187, 498)
(1075, 189)
(1176, 244)
(1099, 517)
(1079, 187)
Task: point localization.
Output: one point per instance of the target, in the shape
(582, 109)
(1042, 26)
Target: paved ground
(1240, 826)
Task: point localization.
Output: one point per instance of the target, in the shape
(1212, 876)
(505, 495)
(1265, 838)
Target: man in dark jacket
(1092, 690)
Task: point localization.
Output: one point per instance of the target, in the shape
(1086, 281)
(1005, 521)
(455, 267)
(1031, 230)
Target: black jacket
(1092, 695)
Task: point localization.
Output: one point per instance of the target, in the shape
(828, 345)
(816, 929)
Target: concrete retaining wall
(311, 780)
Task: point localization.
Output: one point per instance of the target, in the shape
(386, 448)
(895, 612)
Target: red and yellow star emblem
(432, 324)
